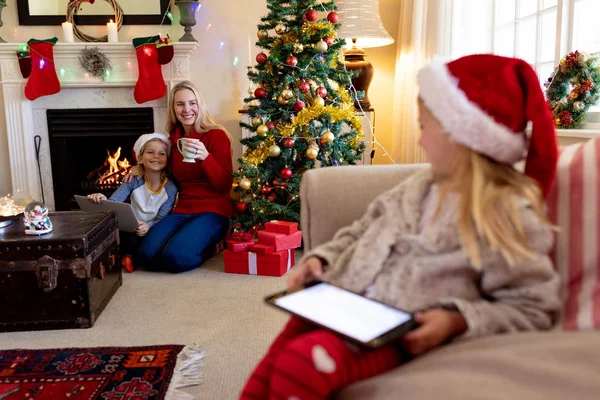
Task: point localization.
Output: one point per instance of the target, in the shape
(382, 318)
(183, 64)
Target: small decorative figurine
(36, 220)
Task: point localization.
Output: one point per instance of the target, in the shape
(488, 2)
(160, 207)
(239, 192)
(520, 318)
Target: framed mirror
(52, 12)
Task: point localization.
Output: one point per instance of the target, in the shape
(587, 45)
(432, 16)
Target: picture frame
(25, 17)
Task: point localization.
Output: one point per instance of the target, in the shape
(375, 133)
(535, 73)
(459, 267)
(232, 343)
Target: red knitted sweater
(204, 185)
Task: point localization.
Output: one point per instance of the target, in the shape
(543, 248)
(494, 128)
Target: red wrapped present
(249, 263)
(260, 248)
(280, 241)
(282, 227)
(237, 246)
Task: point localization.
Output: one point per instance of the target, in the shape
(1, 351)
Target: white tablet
(125, 215)
(362, 320)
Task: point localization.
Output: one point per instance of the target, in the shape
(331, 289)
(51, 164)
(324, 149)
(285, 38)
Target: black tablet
(352, 316)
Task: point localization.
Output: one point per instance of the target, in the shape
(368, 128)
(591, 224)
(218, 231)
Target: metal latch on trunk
(46, 271)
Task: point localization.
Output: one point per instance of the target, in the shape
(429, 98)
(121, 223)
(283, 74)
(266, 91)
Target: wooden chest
(60, 280)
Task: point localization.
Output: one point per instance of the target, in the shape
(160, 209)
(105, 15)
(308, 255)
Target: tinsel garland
(260, 154)
(312, 28)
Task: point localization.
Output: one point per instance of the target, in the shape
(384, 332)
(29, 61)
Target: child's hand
(307, 271)
(142, 229)
(437, 326)
(96, 197)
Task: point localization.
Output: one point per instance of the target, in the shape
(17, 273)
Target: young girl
(152, 194)
(463, 244)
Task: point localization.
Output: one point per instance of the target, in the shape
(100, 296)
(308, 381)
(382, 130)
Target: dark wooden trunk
(60, 280)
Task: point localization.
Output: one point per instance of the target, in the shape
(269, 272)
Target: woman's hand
(436, 327)
(142, 229)
(309, 270)
(96, 197)
(197, 148)
(129, 177)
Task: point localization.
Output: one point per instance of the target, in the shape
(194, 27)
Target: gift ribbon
(289, 264)
(252, 269)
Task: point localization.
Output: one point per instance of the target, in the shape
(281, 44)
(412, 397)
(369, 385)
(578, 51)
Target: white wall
(222, 84)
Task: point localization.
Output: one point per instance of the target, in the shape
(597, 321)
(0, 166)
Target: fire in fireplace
(91, 150)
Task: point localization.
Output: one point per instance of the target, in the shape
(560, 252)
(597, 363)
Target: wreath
(74, 5)
(573, 88)
(94, 62)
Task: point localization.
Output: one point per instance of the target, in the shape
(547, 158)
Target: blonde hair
(204, 121)
(138, 169)
(484, 185)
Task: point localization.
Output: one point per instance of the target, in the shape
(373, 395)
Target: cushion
(573, 207)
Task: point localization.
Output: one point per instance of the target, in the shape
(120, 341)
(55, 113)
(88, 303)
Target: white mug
(188, 156)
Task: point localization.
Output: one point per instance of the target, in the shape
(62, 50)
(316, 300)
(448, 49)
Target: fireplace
(92, 143)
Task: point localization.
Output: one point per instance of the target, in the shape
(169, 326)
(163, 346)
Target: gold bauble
(245, 184)
(281, 29)
(262, 34)
(298, 48)
(578, 105)
(282, 101)
(557, 121)
(312, 153)
(318, 101)
(262, 130)
(287, 94)
(256, 121)
(574, 94)
(328, 137)
(274, 151)
(321, 46)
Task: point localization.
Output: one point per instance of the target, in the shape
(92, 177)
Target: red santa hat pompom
(485, 101)
(145, 138)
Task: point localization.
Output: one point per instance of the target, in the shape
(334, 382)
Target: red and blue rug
(105, 373)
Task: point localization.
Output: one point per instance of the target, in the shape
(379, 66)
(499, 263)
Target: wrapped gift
(280, 241)
(260, 248)
(282, 227)
(249, 263)
(241, 236)
(237, 246)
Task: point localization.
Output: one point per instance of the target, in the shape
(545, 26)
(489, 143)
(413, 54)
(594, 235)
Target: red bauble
(321, 91)
(288, 143)
(272, 197)
(241, 206)
(270, 125)
(304, 87)
(285, 173)
(329, 40)
(299, 106)
(261, 58)
(311, 15)
(333, 17)
(291, 61)
(260, 93)
(266, 190)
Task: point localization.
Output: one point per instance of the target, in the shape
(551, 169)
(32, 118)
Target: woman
(186, 238)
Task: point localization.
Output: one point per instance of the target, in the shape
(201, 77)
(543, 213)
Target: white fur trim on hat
(466, 123)
(142, 140)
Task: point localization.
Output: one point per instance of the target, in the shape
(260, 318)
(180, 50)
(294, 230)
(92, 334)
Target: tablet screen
(348, 313)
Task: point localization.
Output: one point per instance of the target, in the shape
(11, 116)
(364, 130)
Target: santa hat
(484, 102)
(142, 140)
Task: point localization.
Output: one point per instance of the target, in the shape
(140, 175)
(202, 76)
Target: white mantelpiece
(25, 119)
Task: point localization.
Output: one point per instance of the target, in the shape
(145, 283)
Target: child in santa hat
(463, 244)
(152, 194)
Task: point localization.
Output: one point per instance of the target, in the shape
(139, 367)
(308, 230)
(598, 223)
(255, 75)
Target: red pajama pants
(309, 363)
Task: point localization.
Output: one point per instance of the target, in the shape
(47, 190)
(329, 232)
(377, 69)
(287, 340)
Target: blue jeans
(181, 242)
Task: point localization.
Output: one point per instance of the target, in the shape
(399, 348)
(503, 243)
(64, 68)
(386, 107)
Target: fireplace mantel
(19, 111)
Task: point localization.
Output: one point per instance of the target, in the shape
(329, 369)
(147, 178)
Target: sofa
(559, 364)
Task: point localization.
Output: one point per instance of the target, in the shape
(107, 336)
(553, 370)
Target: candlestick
(67, 28)
(113, 32)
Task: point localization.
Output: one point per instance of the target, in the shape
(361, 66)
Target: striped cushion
(573, 206)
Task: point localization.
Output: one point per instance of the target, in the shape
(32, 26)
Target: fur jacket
(389, 256)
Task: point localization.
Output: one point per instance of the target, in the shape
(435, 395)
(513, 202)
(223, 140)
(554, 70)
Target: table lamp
(362, 28)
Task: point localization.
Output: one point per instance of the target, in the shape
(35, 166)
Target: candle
(113, 32)
(67, 28)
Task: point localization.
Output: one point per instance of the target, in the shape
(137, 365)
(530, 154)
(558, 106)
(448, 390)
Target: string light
(107, 74)
(170, 15)
(221, 45)
(42, 63)
(62, 72)
(147, 51)
(129, 66)
(15, 32)
(235, 61)
(208, 27)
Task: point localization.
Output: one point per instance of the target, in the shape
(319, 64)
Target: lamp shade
(360, 19)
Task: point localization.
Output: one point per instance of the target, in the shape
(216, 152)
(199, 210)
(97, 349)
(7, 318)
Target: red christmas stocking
(150, 84)
(43, 80)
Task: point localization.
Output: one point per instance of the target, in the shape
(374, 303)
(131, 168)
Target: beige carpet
(224, 313)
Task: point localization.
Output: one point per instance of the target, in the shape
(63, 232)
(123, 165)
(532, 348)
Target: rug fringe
(188, 372)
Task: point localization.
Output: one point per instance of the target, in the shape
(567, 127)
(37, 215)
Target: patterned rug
(105, 373)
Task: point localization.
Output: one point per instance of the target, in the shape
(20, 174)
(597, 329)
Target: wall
(222, 84)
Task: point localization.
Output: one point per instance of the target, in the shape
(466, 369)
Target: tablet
(125, 215)
(352, 316)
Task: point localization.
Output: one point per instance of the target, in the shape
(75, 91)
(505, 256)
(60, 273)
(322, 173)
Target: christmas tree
(302, 113)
